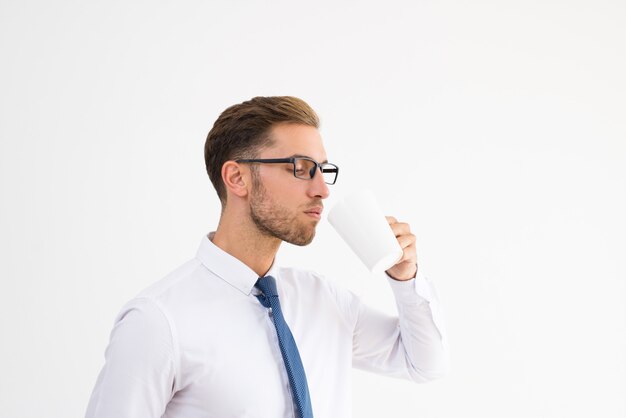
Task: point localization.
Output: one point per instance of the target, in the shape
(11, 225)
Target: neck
(237, 235)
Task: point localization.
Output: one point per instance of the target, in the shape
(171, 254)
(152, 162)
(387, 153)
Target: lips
(317, 210)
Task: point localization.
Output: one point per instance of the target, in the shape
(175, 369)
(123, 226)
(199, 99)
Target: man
(232, 334)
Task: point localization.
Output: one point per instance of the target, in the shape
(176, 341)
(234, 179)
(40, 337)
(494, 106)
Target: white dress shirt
(199, 344)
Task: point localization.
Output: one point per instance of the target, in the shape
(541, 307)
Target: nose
(318, 187)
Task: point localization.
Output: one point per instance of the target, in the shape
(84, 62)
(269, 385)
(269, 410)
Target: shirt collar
(229, 268)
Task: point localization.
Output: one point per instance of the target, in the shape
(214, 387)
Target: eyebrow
(306, 156)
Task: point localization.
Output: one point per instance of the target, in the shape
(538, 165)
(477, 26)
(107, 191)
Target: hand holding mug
(406, 267)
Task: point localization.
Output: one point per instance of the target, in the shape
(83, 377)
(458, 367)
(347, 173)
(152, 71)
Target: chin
(302, 240)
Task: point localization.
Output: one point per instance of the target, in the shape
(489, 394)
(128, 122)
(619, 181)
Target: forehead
(295, 139)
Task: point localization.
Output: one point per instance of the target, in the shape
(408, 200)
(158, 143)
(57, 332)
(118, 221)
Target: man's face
(281, 205)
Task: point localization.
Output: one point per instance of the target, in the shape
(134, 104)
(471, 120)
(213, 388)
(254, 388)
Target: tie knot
(267, 285)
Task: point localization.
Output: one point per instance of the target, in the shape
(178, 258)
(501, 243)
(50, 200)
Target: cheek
(276, 178)
(285, 197)
(282, 185)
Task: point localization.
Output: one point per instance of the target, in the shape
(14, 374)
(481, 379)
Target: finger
(406, 240)
(409, 254)
(391, 220)
(400, 228)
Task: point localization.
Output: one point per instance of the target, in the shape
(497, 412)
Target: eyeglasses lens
(330, 173)
(305, 169)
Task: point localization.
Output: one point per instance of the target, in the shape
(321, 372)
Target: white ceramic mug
(361, 223)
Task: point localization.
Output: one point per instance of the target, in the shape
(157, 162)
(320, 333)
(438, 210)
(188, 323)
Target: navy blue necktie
(288, 348)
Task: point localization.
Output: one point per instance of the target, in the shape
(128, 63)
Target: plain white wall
(496, 128)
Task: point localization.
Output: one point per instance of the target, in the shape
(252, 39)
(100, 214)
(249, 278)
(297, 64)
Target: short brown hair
(242, 130)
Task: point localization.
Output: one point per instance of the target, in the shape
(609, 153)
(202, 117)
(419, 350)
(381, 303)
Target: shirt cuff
(413, 291)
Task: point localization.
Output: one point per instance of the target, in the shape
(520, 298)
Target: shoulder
(155, 306)
(180, 277)
(301, 283)
(304, 280)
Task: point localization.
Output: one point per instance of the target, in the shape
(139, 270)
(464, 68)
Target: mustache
(315, 205)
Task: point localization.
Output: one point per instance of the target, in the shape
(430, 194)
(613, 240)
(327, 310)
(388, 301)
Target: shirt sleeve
(411, 346)
(138, 375)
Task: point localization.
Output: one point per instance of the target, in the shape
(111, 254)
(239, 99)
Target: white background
(496, 128)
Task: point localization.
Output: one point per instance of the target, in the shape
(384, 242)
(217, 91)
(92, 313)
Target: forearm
(411, 345)
(421, 328)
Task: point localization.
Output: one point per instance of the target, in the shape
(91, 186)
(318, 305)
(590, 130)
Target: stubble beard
(276, 221)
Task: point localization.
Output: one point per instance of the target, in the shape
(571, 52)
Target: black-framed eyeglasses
(303, 167)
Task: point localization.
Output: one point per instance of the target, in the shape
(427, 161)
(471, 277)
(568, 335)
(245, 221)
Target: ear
(236, 178)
